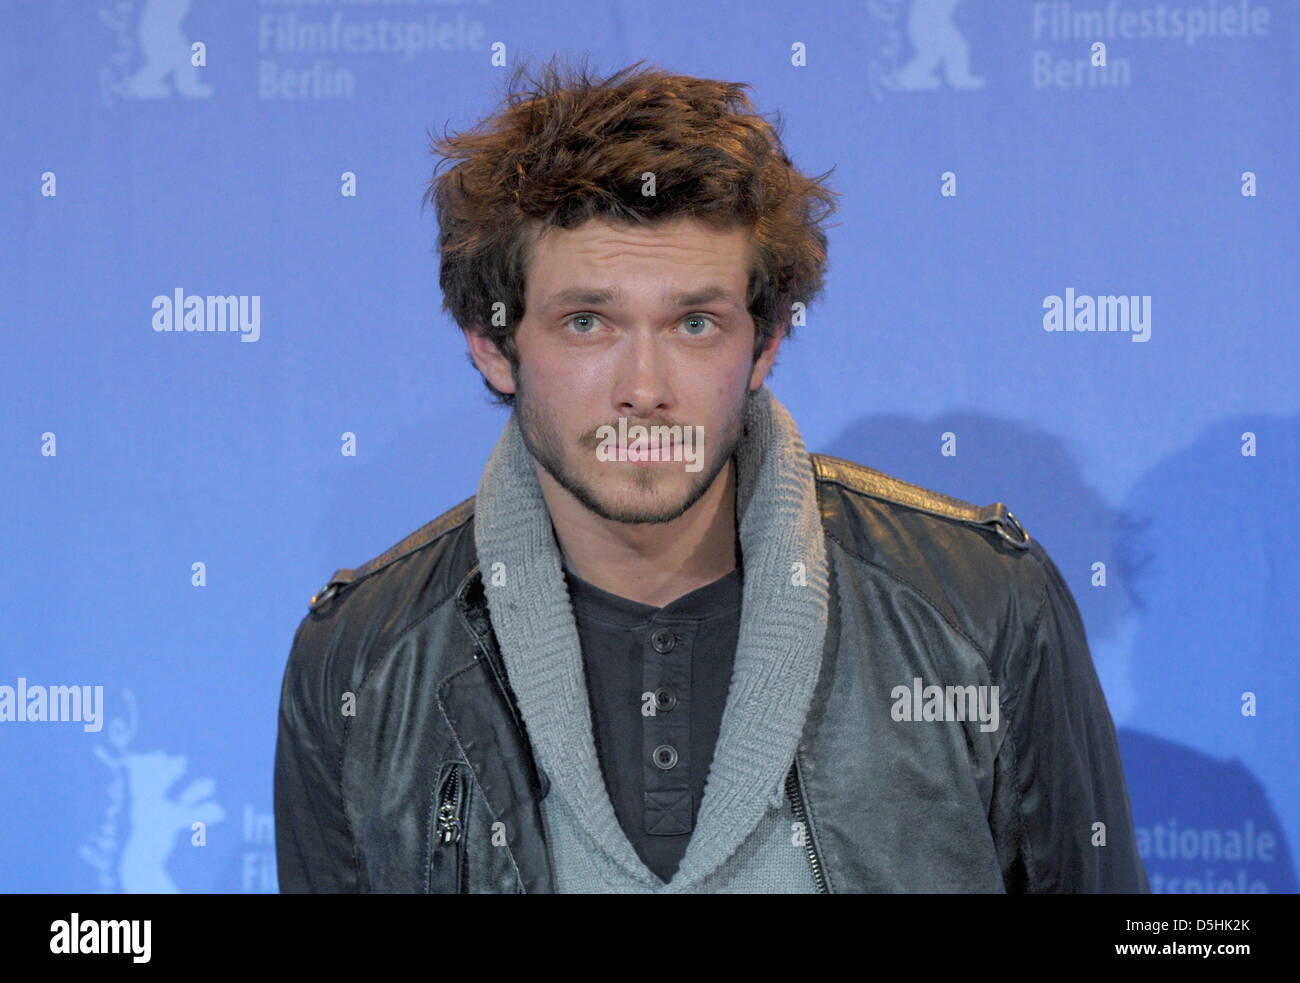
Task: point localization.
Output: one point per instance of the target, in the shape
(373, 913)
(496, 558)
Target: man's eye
(697, 325)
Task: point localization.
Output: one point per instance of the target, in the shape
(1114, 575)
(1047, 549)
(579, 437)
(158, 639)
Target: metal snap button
(664, 756)
(663, 641)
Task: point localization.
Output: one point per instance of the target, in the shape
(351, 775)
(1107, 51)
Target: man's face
(645, 324)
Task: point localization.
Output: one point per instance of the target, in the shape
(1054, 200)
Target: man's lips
(652, 443)
(642, 453)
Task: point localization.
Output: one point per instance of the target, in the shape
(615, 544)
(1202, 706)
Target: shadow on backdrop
(1193, 605)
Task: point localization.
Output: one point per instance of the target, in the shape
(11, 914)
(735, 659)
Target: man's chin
(635, 504)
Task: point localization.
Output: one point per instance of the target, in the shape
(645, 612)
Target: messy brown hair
(566, 148)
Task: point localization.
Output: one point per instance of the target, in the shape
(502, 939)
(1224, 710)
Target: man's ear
(496, 368)
(766, 358)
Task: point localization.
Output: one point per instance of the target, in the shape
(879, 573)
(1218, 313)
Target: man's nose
(642, 385)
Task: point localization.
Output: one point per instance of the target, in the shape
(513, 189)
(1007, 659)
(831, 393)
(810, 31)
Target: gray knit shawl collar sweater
(778, 651)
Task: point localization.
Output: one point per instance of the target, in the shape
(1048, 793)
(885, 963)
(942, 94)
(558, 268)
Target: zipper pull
(449, 824)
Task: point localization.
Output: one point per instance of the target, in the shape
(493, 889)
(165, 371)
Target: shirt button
(663, 640)
(665, 699)
(664, 756)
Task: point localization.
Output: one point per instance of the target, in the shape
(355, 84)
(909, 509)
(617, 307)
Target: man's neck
(650, 563)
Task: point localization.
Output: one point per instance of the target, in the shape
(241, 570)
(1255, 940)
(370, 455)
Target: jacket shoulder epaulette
(426, 534)
(878, 484)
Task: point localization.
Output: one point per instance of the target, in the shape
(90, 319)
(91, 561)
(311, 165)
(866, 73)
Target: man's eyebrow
(581, 295)
(704, 295)
(595, 296)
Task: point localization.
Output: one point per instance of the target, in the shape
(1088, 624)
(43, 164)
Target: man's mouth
(641, 453)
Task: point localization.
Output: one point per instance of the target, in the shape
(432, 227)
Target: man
(689, 657)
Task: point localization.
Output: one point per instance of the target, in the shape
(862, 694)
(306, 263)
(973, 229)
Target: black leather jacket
(402, 764)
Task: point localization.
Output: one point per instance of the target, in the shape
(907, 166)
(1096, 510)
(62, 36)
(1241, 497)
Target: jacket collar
(778, 653)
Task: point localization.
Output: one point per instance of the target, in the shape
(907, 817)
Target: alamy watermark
(35, 704)
(192, 312)
(654, 443)
(122, 936)
(1102, 313)
(920, 702)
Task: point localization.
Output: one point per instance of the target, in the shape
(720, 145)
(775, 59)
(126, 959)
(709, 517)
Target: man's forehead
(614, 295)
(582, 287)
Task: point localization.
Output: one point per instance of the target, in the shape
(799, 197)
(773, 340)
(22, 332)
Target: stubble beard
(547, 448)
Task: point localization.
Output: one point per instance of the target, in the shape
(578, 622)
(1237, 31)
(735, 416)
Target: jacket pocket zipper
(795, 795)
(451, 826)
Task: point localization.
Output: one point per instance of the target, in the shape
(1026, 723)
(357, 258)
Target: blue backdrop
(174, 497)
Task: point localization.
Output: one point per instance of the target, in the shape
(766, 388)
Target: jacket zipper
(451, 823)
(795, 795)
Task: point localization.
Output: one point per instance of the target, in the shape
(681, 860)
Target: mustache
(591, 440)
